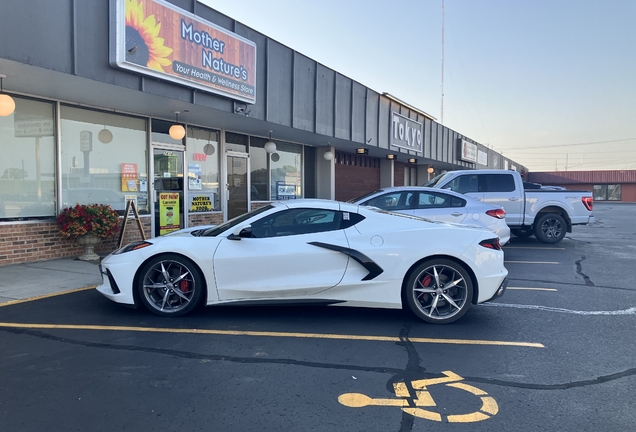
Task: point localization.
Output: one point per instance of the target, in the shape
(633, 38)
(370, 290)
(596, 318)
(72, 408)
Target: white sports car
(312, 251)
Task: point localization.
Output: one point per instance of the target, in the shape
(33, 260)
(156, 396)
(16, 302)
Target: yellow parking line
(532, 289)
(532, 262)
(269, 334)
(13, 302)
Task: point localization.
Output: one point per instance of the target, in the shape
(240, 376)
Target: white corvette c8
(311, 251)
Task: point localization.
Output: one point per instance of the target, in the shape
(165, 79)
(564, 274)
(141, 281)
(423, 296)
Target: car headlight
(132, 246)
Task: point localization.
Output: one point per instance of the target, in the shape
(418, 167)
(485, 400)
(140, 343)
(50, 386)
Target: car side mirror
(241, 232)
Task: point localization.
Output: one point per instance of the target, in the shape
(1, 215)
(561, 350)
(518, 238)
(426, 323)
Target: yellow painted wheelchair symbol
(411, 403)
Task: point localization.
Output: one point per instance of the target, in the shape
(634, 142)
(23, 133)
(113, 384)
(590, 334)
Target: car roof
(416, 188)
(317, 203)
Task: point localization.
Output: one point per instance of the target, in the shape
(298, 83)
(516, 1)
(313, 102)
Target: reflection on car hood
(189, 231)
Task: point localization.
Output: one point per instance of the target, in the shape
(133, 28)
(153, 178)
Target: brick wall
(39, 241)
(398, 173)
(195, 219)
(353, 181)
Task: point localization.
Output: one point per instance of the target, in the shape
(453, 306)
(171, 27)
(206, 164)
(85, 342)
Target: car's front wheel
(170, 285)
(439, 291)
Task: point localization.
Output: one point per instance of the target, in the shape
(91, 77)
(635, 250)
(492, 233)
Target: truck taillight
(588, 202)
(497, 213)
(492, 243)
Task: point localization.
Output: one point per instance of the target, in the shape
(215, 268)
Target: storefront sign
(32, 128)
(128, 177)
(406, 133)
(156, 38)
(202, 203)
(168, 212)
(467, 151)
(285, 191)
(86, 141)
(482, 157)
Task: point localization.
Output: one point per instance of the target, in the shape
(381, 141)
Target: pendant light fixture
(7, 104)
(209, 149)
(177, 131)
(105, 136)
(270, 146)
(328, 155)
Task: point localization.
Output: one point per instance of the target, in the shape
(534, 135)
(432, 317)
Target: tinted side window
(433, 200)
(350, 219)
(392, 201)
(497, 183)
(457, 202)
(464, 184)
(296, 222)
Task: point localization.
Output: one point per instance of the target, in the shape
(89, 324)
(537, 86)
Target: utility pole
(566, 161)
(442, 108)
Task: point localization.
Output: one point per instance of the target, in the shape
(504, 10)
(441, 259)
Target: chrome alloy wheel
(552, 228)
(440, 292)
(169, 286)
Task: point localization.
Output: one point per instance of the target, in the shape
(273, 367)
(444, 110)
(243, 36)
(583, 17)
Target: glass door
(168, 190)
(237, 203)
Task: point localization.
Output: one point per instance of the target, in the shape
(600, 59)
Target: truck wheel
(550, 228)
(521, 232)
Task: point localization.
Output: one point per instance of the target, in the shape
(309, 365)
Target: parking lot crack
(579, 270)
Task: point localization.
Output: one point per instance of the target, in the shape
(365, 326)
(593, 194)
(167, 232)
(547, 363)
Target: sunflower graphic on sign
(143, 44)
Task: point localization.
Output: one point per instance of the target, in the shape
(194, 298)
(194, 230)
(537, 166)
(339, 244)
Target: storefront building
(191, 115)
(615, 185)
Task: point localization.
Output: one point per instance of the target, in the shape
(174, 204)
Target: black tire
(522, 232)
(170, 285)
(550, 228)
(429, 300)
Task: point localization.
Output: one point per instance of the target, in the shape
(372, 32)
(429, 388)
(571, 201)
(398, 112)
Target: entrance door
(238, 201)
(168, 189)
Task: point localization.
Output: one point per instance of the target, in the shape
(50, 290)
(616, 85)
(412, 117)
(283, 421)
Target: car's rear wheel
(170, 285)
(439, 291)
(550, 228)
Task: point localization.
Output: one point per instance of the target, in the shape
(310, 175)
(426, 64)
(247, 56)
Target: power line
(570, 145)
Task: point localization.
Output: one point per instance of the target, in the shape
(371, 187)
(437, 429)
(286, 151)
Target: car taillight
(588, 202)
(492, 243)
(497, 213)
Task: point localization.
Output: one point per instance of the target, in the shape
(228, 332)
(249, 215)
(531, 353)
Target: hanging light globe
(105, 136)
(7, 105)
(177, 132)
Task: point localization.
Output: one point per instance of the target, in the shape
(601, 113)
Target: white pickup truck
(548, 214)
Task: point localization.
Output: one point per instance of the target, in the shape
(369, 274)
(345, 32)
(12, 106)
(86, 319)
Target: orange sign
(128, 177)
(156, 38)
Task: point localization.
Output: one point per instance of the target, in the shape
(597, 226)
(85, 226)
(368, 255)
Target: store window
(285, 171)
(27, 165)
(203, 170)
(607, 192)
(104, 159)
(259, 174)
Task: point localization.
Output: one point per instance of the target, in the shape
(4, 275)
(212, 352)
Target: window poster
(194, 176)
(128, 177)
(169, 213)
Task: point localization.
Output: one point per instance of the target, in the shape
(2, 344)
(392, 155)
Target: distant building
(606, 185)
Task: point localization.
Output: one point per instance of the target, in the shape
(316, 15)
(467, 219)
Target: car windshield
(432, 182)
(216, 230)
(365, 196)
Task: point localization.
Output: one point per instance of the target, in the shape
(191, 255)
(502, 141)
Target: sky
(550, 84)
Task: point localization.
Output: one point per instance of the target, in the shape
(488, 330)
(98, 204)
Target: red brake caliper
(426, 281)
(184, 286)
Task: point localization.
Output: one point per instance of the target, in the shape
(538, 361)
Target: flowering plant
(97, 219)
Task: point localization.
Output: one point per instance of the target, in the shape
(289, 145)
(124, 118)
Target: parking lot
(556, 352)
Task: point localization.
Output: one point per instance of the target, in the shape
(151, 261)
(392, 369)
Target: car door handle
(456, 214)
(513, 199)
